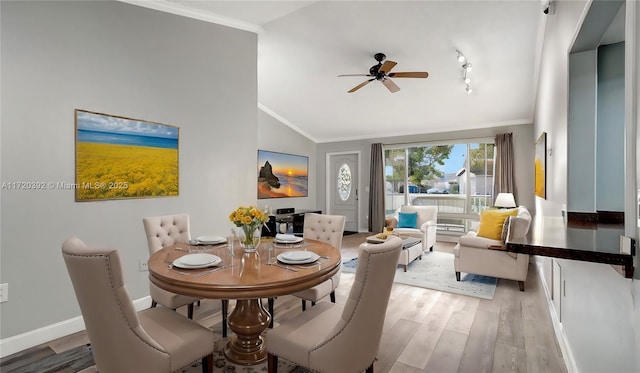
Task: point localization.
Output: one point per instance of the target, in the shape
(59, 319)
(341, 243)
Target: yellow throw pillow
(491, 222)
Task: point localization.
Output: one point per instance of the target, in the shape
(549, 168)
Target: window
(344, 182)
(455, 177)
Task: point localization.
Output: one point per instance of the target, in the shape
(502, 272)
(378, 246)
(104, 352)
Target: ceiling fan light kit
(466, 69)
(382, 73)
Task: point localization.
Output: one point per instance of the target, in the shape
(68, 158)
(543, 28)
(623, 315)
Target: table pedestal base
(248, 320)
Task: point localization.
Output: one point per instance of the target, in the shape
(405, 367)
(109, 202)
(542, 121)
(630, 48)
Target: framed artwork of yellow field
(120, 158)
(540, 164)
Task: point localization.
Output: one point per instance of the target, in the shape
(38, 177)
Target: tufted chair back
(333, 338)
(166, 230)
(121, 339)
(327, 228)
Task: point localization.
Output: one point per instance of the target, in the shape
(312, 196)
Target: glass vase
(250, 238)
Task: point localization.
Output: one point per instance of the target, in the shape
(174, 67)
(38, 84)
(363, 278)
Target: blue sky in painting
(104, 123)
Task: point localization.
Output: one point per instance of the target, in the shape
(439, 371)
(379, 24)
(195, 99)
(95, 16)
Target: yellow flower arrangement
(250, 219)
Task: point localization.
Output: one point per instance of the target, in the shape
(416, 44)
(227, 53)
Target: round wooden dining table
(247, 278)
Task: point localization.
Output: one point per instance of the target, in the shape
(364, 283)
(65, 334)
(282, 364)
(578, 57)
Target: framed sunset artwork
(282, 175)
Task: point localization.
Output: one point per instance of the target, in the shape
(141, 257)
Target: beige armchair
(155, 340)
(425, 229)
(334, 338)
(330, 229)
(164, 231)
(474, 255)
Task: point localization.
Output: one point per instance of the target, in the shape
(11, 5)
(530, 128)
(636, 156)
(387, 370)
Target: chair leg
(332, 296)
(190, 311)
(225, 311)
(207, 364)
(272, 363)
(273, 316)
(313, 304)
(153, 303)
(370, 368)
(521, 285)
(304, 305)
(457, 276)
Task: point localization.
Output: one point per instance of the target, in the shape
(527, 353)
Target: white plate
(288, 238)
(194, 261)
(210, 240)
(293, 257)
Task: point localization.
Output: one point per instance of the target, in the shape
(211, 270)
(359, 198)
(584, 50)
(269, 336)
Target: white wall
(599, 318)
(523, 146)
(119, 59)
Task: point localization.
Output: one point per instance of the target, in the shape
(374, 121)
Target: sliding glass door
(455, 177)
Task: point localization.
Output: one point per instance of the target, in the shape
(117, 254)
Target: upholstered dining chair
(330, 229)
(164, 231)
(154, 340)
(327, 228)
(337, 338)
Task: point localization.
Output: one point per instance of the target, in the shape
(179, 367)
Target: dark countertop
(551, 236)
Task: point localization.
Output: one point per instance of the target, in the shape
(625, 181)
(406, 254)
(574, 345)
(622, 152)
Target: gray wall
(581, 130)
(523, 145)
(277, 137)
(600, 321)
(610, 164)
(119, 59)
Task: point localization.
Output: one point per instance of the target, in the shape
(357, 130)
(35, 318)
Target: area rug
(435, 271)
(220, 364)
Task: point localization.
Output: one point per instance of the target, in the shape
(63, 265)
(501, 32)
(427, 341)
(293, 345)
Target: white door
(343, 185)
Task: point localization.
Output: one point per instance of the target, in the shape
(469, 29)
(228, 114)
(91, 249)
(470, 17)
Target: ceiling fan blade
(387, 66)
(391, 85)
(360, 85)
(354, 75)
(414, 74)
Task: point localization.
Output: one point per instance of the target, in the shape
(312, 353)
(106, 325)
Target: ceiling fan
(381, 72)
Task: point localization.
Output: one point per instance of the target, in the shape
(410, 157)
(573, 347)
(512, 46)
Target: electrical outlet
(4, 293)
(142, 265)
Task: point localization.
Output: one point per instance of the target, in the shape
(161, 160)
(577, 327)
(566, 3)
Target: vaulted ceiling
(304, 45)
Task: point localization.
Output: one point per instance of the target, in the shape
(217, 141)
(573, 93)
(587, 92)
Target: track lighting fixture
(466, 69)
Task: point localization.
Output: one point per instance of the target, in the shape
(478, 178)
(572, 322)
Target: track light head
(467, 66)
(461, 57)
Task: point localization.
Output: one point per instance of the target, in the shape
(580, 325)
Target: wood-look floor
(425, 330)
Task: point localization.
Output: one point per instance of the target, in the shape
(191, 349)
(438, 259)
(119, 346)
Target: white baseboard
(561, 336)
(20, 342)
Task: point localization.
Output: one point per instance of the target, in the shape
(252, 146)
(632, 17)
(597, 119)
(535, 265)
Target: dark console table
(296, 219)
(551, 236)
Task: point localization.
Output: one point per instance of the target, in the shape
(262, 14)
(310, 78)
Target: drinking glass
(271, 253)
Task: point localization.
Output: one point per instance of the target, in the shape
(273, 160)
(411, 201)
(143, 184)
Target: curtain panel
(376, 195)
(504, 178)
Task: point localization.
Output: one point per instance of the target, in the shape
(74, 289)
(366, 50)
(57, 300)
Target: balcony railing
(446, 203)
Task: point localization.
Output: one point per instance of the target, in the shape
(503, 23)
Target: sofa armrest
(472, 240)
(428, 224)
(519, 226)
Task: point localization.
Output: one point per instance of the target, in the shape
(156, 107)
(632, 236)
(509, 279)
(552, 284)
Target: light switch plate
(4, 293)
